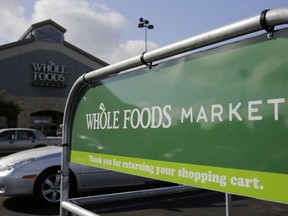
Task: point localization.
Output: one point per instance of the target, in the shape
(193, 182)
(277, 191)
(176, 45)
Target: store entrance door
(46, 121)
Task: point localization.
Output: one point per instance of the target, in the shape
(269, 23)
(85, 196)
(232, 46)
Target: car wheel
(48, 187)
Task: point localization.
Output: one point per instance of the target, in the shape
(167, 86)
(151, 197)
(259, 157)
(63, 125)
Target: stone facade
(32, 105)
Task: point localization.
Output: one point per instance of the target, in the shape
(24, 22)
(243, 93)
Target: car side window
(7, 135)
(22, 135)
(25, 135)
(31, 135)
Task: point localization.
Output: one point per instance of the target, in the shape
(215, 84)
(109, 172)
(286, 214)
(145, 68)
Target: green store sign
(217, 119)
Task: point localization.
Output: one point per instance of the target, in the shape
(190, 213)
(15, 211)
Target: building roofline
(65, 43)
(16, 43)
(26, 40)
(43, 23)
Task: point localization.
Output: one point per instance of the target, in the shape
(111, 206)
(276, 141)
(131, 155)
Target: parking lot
(196, 203)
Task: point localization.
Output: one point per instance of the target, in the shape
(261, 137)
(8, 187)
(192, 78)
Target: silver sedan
(35, 173)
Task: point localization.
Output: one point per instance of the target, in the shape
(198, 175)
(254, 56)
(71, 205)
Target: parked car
(18, 139)
(35, 172)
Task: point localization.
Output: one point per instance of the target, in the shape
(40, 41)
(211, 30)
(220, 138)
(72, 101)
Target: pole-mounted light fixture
(143, 23)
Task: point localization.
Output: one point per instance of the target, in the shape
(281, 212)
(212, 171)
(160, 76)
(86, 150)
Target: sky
(108, 29)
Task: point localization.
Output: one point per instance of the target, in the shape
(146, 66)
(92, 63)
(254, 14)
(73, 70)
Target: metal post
(146, 39)
(228, 199)
(65, 179)
(145, 24)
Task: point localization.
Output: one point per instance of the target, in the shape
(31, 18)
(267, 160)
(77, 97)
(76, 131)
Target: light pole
(143, 23)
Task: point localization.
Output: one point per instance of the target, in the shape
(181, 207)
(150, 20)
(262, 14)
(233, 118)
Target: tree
(9, 108)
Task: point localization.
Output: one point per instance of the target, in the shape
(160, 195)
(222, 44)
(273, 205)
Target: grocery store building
(38, 71)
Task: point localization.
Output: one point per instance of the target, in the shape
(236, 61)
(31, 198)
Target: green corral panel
(217, 119)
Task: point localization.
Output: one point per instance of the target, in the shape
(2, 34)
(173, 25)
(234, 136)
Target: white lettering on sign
(161, 117)
(276, 106)
(153, 117)
(253, 108)
(49, 72)
(217, 111)
(234, 112)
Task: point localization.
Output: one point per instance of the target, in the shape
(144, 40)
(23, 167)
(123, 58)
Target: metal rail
(265, 21)
(131, 195)
(76, 209)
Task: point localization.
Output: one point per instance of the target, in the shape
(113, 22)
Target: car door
(91, 177)
(25, 140)
(7, 144)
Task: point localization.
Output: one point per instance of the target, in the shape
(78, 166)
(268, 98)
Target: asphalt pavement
(194, 203)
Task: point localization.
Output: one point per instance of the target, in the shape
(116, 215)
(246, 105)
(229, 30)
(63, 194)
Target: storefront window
(47, 121)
